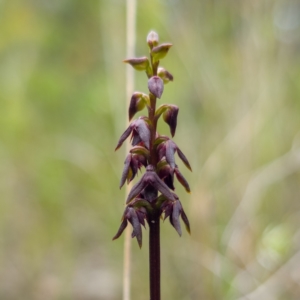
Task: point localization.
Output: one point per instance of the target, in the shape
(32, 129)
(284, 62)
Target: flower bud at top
(156, 86)
(152, 39)
(140, 64)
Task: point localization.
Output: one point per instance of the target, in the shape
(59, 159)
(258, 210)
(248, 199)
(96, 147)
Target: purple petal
(142, 160)
(182, 180)
(136, 189)
(183, 158)
(135, 138)
(124, 136)
(175, 216)
(137, 229)
(185, 221)
(141, 216)
(161, 150)
(169, 181)
(150, 193)
(143, 132)
(121, 229)
(157, 183)
(125, 170)
(134, 166)
(168, 210)
(170, 151)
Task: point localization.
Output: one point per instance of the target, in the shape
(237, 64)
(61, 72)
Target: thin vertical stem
(154, 218)
(154, 255)
(130, 49)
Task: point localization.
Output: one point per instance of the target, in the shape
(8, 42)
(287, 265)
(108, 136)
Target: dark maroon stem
(154, 255)
(154, 218)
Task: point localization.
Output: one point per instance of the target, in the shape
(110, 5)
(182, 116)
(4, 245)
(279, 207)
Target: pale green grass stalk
(130, 51)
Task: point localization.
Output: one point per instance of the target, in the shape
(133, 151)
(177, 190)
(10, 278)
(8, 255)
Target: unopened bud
(160, 51)
(140, 64)
(170, 117)
(156, 86)
(164, 75)
(137, 103)
(152, 39)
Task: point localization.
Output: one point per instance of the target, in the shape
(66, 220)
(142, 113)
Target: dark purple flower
(136, 216)
(166, 173)
(173, 210)
(167, 148)
(150, 178)
(140, 133)
(132, 164)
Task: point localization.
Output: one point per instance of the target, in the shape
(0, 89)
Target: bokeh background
(236, 66)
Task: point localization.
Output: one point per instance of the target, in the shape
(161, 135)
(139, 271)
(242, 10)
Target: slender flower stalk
(152, 197)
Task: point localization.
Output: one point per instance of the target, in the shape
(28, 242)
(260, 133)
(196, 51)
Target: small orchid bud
(156, 86)
(170, 113)
(152, 39)
(140, 63)
(164, 75)
(137, 103)
(160, 51)
(170, 117)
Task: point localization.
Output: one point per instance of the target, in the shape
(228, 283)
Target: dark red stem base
(154, 255)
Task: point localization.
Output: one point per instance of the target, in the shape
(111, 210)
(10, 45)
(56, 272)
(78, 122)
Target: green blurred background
(236, 66)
